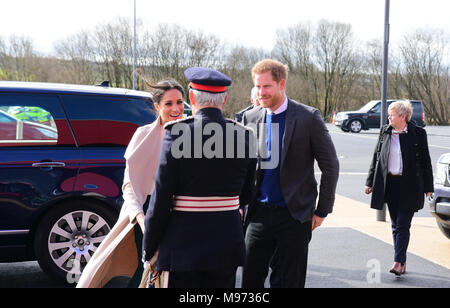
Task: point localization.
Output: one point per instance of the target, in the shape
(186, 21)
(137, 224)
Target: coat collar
(212, 113)
(289, 130)
(410, 128)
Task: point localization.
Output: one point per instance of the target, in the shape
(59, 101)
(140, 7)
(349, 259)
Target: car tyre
(68, 236)
(355, 126)
(444, 229)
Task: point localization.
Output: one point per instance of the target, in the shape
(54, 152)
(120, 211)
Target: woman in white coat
(117, 256)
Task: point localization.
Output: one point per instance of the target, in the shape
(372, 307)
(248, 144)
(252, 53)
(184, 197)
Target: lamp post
(381, 215)
(134, 49)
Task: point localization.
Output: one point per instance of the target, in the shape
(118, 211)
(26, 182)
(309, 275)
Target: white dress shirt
(280, 109)
(395, 163)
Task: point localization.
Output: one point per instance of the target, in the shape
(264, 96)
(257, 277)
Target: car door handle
(51, 164)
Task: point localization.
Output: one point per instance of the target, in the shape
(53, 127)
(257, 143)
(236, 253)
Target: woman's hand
(368, 190)
(141, 221)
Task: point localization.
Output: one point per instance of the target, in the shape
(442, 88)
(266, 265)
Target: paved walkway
(427, 241)
(351, 249)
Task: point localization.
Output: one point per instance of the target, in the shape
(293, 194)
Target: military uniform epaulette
(169, 124)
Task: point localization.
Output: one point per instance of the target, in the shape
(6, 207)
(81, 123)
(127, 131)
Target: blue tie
(269, 134)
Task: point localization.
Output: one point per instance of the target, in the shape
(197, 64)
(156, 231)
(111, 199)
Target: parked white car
(439, 202)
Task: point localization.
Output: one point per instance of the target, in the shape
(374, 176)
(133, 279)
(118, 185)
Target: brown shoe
(396, 269)
(403, 269)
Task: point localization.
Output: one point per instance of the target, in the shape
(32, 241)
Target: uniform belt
(206, 204)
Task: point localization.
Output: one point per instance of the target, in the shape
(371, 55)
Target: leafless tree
(327, 68)
(373, 67)
(323, 61)
(427, 75)
(337, 61)
(18, 59)
(238, 63)
(114, 42)
(168, 50)
(294, 47)
(77, 53)
(3, 57)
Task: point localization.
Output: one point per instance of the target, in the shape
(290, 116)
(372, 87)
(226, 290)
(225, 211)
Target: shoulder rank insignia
(169, 124)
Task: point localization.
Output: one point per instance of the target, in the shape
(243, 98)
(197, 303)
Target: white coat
(117, 254)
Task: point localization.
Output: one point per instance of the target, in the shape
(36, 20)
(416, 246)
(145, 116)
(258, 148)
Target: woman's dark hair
(158, 90)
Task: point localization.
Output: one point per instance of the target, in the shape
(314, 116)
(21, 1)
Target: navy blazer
(305, 140)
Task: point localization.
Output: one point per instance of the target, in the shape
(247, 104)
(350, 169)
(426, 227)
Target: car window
(32, 120)
(107, 120)
(5, 118)
(368, 106)
(187, 110)
(417, 107)
(376, 108)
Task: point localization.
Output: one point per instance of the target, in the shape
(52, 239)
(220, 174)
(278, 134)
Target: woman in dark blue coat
(400, 175)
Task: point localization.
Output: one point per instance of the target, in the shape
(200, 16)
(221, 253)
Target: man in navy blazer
(283, 212)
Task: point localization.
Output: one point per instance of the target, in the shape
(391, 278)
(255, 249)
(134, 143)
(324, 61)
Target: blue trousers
(401, 218)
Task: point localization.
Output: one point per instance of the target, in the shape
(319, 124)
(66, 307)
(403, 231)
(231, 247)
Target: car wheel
(444, 230)
(68, 236)
(355, 126)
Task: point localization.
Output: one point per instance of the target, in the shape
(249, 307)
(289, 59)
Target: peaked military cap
(207, 80)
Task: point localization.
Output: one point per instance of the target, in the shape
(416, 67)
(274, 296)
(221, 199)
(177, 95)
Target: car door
(38, 161)
(103, 126)
(373, 116)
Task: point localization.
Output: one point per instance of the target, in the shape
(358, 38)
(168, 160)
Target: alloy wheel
(75, 237)
(355, 126)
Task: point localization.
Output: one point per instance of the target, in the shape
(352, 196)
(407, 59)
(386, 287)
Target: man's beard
(272, 102)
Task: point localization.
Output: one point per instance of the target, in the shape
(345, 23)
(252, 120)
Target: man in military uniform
(193, 219)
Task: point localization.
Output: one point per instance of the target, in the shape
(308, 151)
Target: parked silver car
(439, 202)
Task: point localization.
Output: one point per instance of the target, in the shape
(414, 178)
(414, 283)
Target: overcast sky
(252, 23)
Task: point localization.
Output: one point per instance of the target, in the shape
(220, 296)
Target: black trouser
(401, 219)
(273, 229)
(203, 279)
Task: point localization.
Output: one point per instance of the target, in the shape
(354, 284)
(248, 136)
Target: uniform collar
(210, 112)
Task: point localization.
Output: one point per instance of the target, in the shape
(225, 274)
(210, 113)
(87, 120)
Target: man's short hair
(279, 70)
(209, 99)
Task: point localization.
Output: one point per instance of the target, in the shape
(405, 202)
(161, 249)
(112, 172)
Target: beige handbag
(151, 279)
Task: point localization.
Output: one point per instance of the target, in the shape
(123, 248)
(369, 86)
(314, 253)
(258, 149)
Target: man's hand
(152, 261)
(368, 190)
(317, 222)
